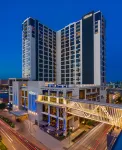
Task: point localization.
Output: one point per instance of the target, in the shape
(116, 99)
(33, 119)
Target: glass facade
(70, 54)
(76, 47)
(32, 102)
(47, 53)
(43, 40)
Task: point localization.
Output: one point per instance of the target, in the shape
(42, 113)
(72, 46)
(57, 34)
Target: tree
(2, 106)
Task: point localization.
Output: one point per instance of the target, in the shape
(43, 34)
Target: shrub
(9, 122)
(2, 146)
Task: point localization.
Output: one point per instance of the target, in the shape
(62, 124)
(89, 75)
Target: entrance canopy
(19, 113)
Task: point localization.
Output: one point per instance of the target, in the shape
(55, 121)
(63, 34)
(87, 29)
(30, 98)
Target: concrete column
(73, 122)
(48, 98)
(48, 114)
(85, 93)
(57, 94)
(48, 92)
(39, 114)
(57, 100)
(64, 93)
(64, 122)
(57, 123)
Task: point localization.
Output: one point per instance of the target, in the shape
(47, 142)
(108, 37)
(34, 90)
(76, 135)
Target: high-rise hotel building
(75, 54)
(38, 51)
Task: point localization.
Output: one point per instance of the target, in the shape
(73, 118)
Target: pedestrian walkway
(44, 138)
(68, 141)
(24, 130)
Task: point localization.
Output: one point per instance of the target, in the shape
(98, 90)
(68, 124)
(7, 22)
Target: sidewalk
(68, 141)
(44, 138)
(19, 127)
(35, 135)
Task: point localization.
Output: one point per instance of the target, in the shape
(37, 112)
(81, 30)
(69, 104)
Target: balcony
(44, 98)
(53, 99)
(61, 101)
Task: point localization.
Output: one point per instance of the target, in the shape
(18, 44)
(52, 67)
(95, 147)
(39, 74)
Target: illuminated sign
(57, 85)
(87, 16)
(32, 93)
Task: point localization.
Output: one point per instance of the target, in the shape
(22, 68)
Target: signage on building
(51, 85)
(57, 85)
(32, 93)
(87, 16)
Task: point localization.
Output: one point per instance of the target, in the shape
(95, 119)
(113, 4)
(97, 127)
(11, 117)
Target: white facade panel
(58, 57)
(97, 71)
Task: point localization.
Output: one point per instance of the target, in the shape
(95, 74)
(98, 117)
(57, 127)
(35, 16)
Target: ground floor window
(53, 121)
(45, 118)
(61, 124)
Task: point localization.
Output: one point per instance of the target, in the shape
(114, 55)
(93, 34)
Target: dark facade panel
(98, 16)
(31, 22)
(37, 50)
(88, 49)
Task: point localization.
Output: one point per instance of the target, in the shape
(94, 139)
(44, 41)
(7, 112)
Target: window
(62, 71)
(72, 26)
(40, 70)
(67, 49)
(45, 57)
(46, 53)
(77, 41)
(77, 29)
(62, 75)
(50, 75)
(46, 66)
(50, 67)
(45, 70)
(72, 47)
(67, 66)
(71, 36)
(45, 62)
(72, 43)
(40, 42)
(67, 75)
(77, 46)
(62, 59)
(41, 52)
(72, 40)
(40, 60)
(62, 63)
(67, 79)
(62, 67)
(45, 79)
(41, 65)
(67, 71)
(50, 71)
(45, 49)
(73, 56)
(41, 56)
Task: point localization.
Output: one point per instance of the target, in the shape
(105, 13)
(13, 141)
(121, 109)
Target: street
(94, 140)
(7, 131)
(24, 130)
(10, 141)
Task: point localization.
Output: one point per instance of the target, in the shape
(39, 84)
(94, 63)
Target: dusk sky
(56, 14)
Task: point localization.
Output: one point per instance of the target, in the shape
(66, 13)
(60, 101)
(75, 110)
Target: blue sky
(56, 14)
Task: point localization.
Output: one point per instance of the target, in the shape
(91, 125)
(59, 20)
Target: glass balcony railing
(45, 98)
(61, 101)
